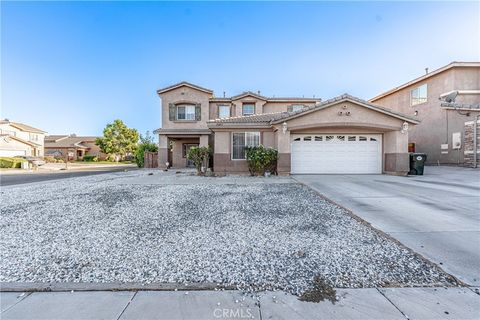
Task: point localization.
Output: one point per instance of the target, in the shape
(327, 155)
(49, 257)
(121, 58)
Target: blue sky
(72, 67)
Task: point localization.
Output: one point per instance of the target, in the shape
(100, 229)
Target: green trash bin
(417, 163)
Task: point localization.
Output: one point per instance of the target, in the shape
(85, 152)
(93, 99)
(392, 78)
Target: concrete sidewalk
(436, 215)
(399, 303)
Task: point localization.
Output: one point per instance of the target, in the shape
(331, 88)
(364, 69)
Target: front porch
(174, 146)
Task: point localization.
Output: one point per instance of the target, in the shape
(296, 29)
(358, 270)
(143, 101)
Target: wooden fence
(151, 159)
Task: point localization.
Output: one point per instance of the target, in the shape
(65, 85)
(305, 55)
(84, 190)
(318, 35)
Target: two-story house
(18, 139)
(340, 135)
(441, 131)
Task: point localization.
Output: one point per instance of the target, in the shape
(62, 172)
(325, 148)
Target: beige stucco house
(442, 129)
(76, 147)
(19, 139)
(340, 135)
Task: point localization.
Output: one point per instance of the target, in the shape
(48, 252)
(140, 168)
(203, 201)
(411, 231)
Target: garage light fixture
(404, 127)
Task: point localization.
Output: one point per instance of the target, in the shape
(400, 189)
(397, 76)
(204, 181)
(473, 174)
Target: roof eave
(454, 64)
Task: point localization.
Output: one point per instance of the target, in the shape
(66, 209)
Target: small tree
(261, 159)
(118, 140)
(146, 144)
(200, 157)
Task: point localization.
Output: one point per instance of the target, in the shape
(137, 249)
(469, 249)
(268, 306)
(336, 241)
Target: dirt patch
(321, 291)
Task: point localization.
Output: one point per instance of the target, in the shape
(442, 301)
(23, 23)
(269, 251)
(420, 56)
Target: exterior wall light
(284, 127)
(404, 127)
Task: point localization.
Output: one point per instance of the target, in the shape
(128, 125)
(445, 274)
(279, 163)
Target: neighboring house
(18, 139)
(75, 146)
(441, 132)
(341, 135)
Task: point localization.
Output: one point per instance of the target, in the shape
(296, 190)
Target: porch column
(203, 140)
(284, 152)
(396, 160)
(162, 151)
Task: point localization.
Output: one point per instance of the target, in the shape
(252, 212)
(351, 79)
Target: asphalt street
(22, 178)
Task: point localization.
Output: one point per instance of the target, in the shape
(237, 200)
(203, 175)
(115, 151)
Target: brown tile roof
(67, 141)
(271, 118)
(181, 84)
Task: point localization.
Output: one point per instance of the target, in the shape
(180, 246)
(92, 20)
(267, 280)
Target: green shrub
(261, 159)
(49, 159)
(200, 157)
(90, 158)
(6, 162)
(146, 144)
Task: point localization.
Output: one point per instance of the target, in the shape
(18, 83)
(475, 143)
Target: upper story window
(295, 107)
(418, 95)
(33, 137)
(242, 140)
(186, 112)
(223, 112)
(9, 132)
(248, 109)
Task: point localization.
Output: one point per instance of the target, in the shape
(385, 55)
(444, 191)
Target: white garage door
(337, 153)
(11, 153)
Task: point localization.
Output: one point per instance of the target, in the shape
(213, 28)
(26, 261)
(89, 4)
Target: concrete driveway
(437, 215)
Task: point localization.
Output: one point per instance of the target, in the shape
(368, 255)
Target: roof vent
(258, 92)
(426, 70)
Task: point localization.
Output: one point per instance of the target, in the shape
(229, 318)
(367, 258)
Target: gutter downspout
(475, 141)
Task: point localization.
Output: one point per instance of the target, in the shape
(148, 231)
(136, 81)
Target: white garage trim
(12, 153)
(336, 153)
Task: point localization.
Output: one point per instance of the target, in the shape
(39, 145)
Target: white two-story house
(18, 139)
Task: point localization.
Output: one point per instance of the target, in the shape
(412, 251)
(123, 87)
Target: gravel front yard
(251, 235)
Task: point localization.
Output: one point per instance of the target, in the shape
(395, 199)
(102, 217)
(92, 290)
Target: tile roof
(271, 118)
(22, 126)
(181, 84)
(67, 141)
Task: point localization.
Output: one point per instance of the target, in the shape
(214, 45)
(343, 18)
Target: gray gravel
(253, 236)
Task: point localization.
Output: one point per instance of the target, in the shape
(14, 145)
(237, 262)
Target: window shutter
(198, 112)
(171, 112)
(290, 108)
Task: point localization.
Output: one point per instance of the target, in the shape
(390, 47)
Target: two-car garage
(336, 153)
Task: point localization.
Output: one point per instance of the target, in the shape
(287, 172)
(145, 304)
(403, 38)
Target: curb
(110, 286)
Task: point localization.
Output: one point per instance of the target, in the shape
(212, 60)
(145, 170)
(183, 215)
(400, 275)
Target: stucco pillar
(162, 151)
(396, 159)
(221, 157)
(284, 153)
(203, 140)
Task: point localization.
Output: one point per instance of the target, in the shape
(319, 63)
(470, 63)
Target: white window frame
(250, 105)
(256, 133)
(189, 116)
(227, 107)
(415, 98)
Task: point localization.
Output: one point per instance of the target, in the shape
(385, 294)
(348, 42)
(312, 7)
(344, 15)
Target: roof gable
(24, 127)
(184, 84)
(346, 97)
(248, 94)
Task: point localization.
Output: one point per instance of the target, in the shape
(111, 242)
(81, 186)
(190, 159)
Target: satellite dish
(449, 98)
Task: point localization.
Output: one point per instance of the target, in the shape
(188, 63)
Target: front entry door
(186, 147)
